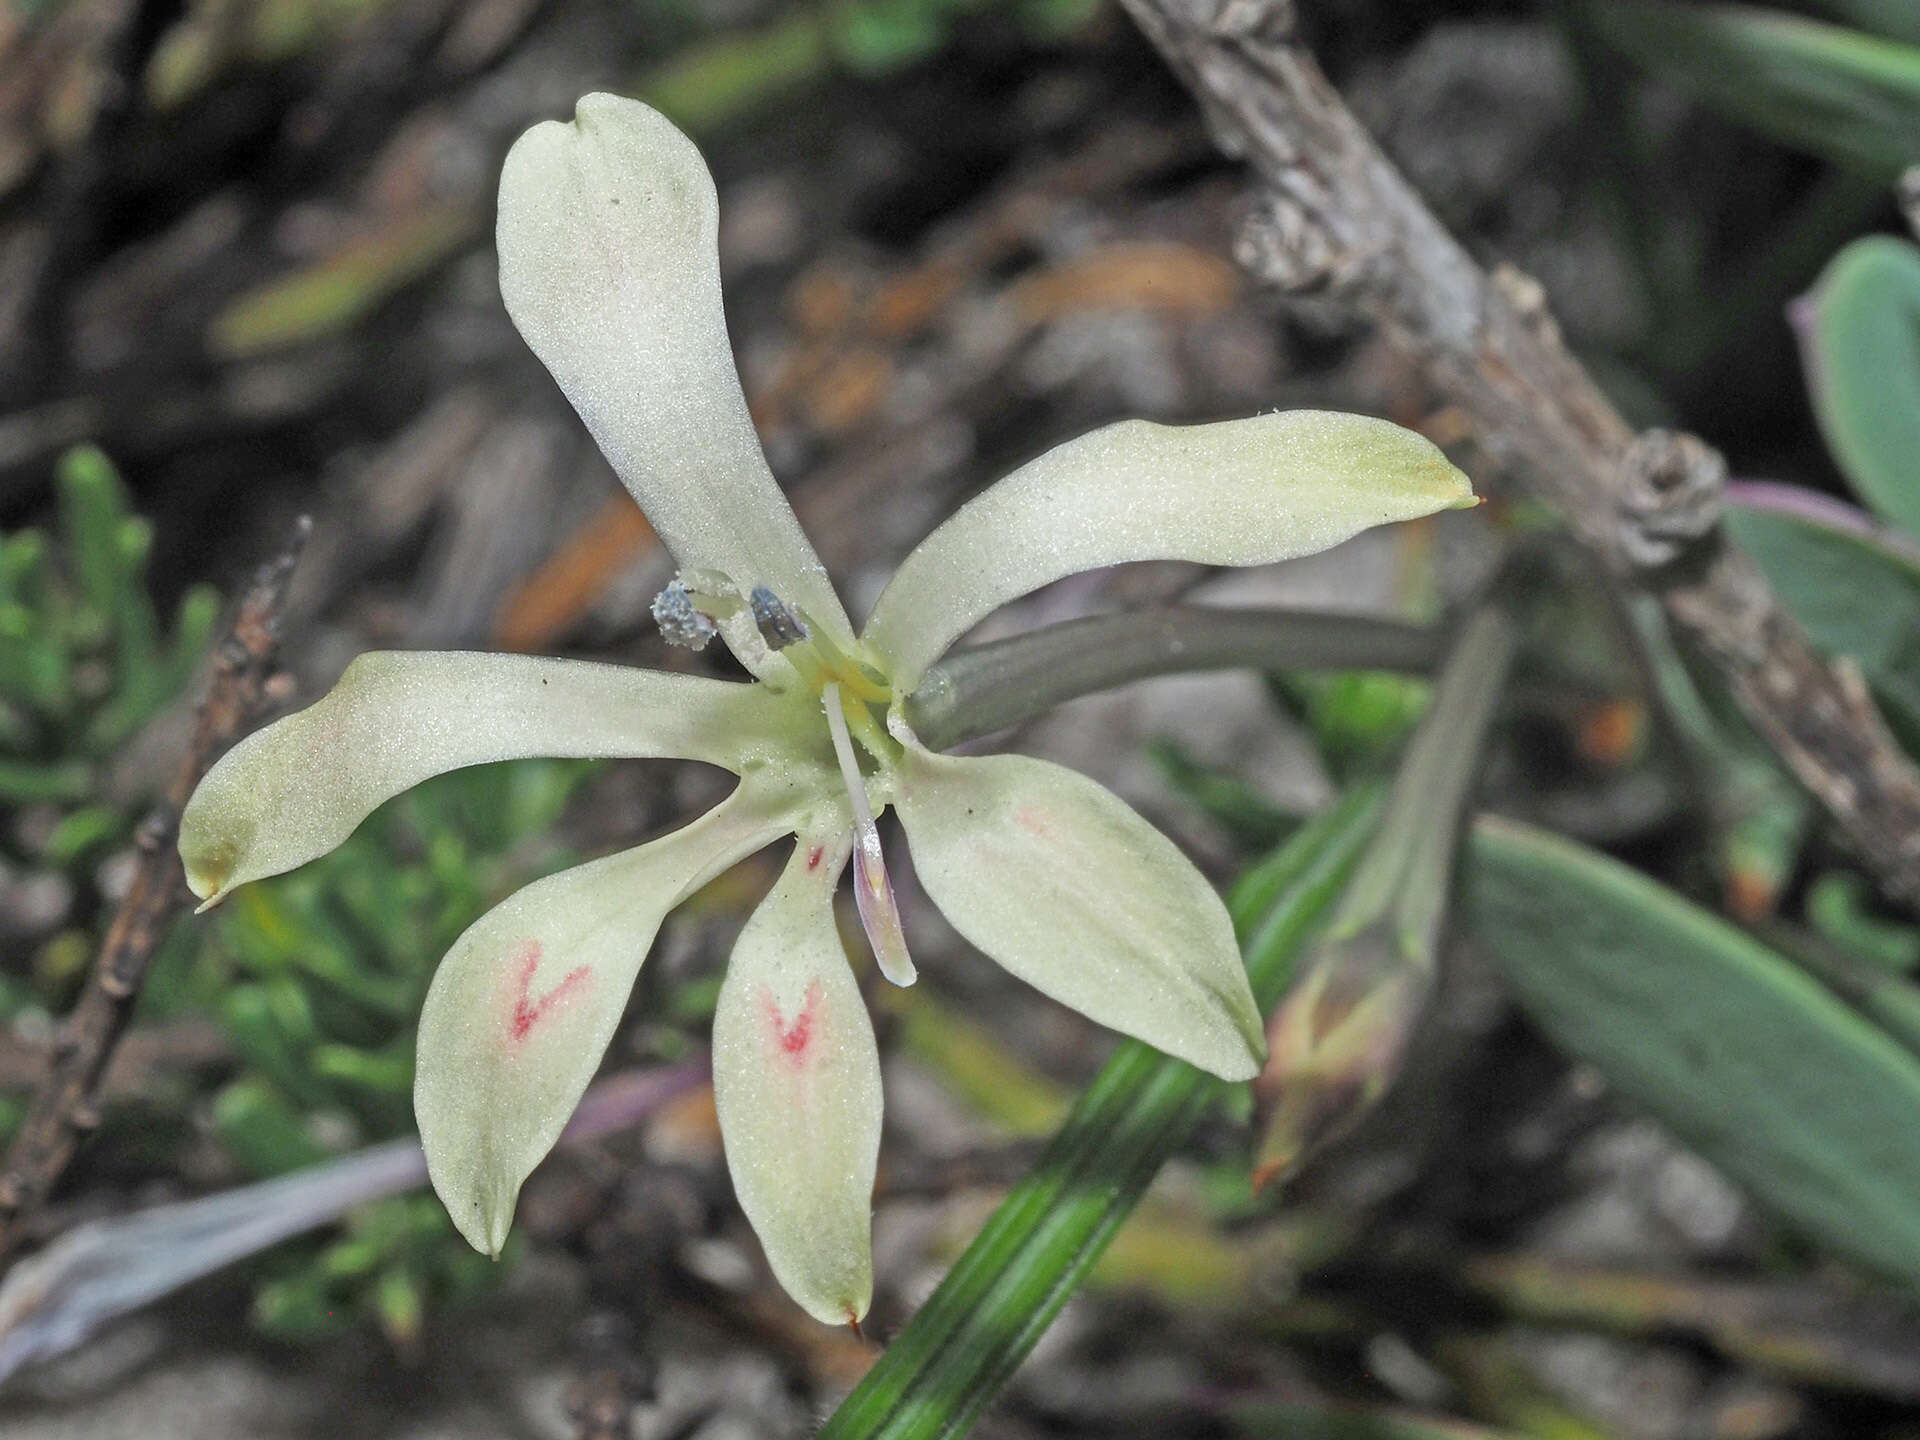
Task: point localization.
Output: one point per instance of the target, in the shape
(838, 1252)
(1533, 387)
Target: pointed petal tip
(1236, 1059)
(1452, 483)
(499, 1226)
(208, 883)
(796, 1086)
(211, 859)
(838, 1308)
(1235, 492)
(482, 1221)
(1241, 1068)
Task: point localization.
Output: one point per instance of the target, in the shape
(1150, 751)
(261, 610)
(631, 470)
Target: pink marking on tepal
(815, 855)
(528, 1012)
(792, 1038)
(1036, 820)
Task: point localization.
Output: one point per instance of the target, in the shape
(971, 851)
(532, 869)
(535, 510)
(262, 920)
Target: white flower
(608, 266)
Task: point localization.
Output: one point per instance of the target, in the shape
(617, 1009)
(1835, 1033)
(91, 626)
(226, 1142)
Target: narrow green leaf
(80, 831)
(1839, 908)
(1889, 1000)
(264, 1132)
(23, 568)
(1860, 341)
(24, 782)
(952, 1358)
(1822, 88)
(93, 506)
(1243, 812)
(193, 626)
(1747, 1059)
(712, 83)
(1303, 1420)
(335, 292)
(1895, 19)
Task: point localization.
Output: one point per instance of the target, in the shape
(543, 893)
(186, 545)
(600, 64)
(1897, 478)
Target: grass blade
(952, 1358)
(1851, 97)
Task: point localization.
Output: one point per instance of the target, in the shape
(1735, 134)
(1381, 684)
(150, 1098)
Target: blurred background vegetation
(245, 272)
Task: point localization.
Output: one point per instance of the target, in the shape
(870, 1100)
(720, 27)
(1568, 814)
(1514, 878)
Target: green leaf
(1895, 19)
(93, 506)
(885, 35)
(1887, 999)
(81, 831)
(1246, 815)
(706, 86)
(1839, 908)
(1359, 718)
(1856, 592)
(24, 782)
(1834, 92)
(1306, 1420)
(263, 1132)
(1812, 1108)
(335, 292)
(950, 1361)
(23, 568)
(1860, 342)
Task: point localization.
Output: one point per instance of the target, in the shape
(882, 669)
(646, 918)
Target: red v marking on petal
(528, 1012)
(791, 1039)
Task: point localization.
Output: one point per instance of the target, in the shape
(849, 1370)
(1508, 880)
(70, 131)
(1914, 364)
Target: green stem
(1411, 860)
(989, 687)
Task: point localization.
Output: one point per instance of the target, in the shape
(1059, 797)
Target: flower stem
(989, 687)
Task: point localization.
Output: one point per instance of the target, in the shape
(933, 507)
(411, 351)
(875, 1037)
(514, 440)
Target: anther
(681, 624)
(778, 625)
(872, 890)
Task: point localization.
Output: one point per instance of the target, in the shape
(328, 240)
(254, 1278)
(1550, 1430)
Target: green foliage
(714, 81)
(1359, 719)
(1856, 594)
(878, 36)
(1248, 816)
(84, 663)
(1895, 19)
(1862, 351)
(1850, 97)
(83, 660)
(711, 82)
(397, 1260)
(1837, 907)
(950, 1361)
(1804, 1101)
(1306, 1420)
(317, 977)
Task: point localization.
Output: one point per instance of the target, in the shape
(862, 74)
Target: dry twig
(1333, 216)
(66, 1108)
